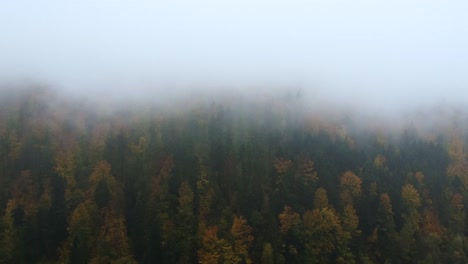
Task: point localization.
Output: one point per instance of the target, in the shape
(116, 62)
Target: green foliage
(224, 183)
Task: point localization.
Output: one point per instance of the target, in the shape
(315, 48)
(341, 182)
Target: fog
(380, 55)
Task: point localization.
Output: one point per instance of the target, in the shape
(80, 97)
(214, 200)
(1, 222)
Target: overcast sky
(369, 52)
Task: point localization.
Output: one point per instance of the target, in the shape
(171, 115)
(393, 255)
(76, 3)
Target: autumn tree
(386, 230)
(459, 165)
(320, 198)
(160, 207)
(112, 245)
(185, 223)
(205, 193)
(350, 187)
(350, 222)
(306, 170)
(323, 235)
(267, 254)
(210, 251)
(25, 193)
(243, 238)
(281, 166)
(82, 183)
(289, 220)
(11, 244)
(350, 191)
(412, 202)
(103, 187)
(379, 162)
(82, 232)
(66, 166)
(412, 219)
(290, 228)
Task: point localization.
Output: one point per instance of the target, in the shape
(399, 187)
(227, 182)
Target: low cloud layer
(374, 54)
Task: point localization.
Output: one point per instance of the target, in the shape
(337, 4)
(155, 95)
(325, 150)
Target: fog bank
(384, 56)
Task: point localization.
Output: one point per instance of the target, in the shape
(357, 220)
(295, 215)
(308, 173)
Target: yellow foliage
(411, 197)
(113, 237)
(16, 146)
(379, 161)
(322, 227)
(281, 165)
(288, 219)
(185, 199)
(25, 193)
(140, 147)
(82, 221)
(101, 171)
(46, 197)
(205, 257)
(320, 199)
(8, 218)
(167, 167)
(350, 185)
(102, 174)
(306, 170)
(386, 204)
(242, 234)
(459, 165)
(65, 156)
(350, 220)
(374, 237)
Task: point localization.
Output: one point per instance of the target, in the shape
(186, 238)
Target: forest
(226, 180)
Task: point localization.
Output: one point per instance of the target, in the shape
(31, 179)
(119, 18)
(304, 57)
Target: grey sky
(370, 52)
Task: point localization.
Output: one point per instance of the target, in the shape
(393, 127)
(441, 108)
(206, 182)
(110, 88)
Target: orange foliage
(431, 223)
(242, 234)
(209, 253)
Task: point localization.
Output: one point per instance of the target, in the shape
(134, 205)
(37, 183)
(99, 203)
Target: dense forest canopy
(228, 180)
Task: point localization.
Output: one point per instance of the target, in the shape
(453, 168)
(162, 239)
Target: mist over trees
(228, 180)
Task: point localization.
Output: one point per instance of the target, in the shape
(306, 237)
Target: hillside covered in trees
(226, 181)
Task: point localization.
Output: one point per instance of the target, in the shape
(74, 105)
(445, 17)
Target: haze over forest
(386, 55)
(233, 132)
